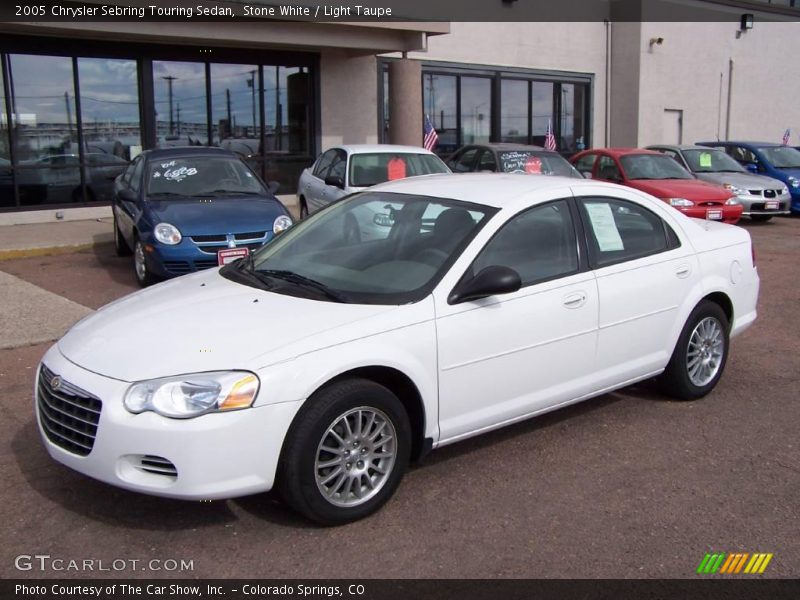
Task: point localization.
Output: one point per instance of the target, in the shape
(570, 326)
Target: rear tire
(699, 358)
(346, 452)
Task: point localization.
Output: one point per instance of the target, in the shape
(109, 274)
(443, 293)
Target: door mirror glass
(335, 181)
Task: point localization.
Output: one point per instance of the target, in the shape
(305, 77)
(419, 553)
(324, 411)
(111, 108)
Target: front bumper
(757, 205)
(726, 213)
(218, 455)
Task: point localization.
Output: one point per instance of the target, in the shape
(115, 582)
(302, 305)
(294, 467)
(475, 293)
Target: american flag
(431, 138)
(786, 135)
(549, 138)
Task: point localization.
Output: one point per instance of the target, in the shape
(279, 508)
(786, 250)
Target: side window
(128, 173)
(321, 169)
(338, 165)
(136, 177)
(464, 163)
(486, 162)
(539, 244)
(618, 230)
(586, 164)
(607, 169)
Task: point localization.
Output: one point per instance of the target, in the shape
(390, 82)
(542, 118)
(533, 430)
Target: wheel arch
(724, 302)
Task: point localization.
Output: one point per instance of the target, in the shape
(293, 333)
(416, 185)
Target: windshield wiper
(233, 192)
(166, 195)
(302, 281)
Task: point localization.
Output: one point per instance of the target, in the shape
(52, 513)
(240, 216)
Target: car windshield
(377, 167)
(201, 176)
(782, 157)
(535, 162)
(653, 166)
(711, 161)
(370, 248)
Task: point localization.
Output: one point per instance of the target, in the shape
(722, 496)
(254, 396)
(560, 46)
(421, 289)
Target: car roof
(738, 143)
(489, 189)
(617, 152)
(679, 146)
(178, 151)
(369, 148)
(508, 146)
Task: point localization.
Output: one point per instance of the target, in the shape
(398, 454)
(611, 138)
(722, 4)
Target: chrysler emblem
(55, 382)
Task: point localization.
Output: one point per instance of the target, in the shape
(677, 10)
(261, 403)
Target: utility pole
(170, 79)
(228, 98)
(179, 118)
(251, 83)
(69, 114)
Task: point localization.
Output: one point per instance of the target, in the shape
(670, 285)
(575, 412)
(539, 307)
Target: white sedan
(342, 170)
(321, 366)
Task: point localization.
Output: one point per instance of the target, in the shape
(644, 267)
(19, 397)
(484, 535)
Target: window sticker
(156, 174)
(604, 227)
(180, 174)
(705, 160)
(396, 169)
(533, 165)
(168, 164)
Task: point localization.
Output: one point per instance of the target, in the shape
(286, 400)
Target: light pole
(170, 79)
(251, 83)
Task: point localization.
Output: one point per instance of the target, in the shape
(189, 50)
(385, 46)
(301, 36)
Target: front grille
(214, 249)
(710, 203)
(221, 239)
(181, 267)
(769, 193)
(755, 192)
(157, 465)
(69, 415)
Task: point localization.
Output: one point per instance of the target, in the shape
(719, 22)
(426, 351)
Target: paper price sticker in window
(705, 160)
(533, 165)
(396, 169)
(604, 227)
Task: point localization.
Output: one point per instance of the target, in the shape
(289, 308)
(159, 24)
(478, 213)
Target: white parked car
(321, 366)
(342, 170)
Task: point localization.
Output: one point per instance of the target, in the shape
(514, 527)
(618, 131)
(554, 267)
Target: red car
(662, 177)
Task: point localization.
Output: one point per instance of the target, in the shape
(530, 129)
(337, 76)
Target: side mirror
(752, 167)
(491, 281)
(128, 195)
(273, 187)
(335, 181)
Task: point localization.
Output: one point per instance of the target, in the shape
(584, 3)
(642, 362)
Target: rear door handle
(575, 300)
(683, 271)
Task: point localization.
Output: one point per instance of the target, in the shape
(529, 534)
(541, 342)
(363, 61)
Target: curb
(32, 252)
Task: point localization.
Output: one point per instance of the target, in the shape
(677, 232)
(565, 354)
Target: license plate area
(228, 255)
(714, 215)
(771, 205)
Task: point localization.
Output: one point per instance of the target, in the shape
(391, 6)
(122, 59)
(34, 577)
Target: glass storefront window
(6, 183)
(514, 111)
(439, 103)
(180, 103)
(572, 117)
(542, 111)
(476, 105)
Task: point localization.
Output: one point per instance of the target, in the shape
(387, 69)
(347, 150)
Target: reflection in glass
(234, 107)
(476, 105)
(573, 111)
(6, 183)
(45, 129)
(514, 111)
(542, 111)
(180, 98)
(439, 102)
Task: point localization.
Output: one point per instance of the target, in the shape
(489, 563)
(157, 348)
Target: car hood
(748, 181)
(229, 214)
(691, 189)
(204, 322)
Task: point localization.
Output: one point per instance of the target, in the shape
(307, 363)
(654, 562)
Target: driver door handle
(575, 300)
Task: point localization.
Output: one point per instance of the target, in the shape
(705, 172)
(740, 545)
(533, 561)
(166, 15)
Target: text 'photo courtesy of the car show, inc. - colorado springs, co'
(399, 299)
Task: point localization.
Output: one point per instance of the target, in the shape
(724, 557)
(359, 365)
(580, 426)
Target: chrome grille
(755, 192)
(222, 239)
(69, 415)
(769, 193)
(157, 465)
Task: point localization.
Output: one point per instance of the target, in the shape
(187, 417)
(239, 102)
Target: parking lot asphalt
(626, 485)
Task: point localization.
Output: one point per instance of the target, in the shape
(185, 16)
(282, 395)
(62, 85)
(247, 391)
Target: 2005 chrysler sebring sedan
(321, 365)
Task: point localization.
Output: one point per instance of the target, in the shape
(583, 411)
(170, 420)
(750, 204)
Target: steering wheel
(431, 256)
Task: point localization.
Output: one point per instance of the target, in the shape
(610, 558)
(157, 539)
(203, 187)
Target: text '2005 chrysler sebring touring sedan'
(321, 365)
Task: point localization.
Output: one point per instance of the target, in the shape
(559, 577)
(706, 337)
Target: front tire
(120, 245)
(303, 209)
(346, 452)
(700, 355)
(143, 275)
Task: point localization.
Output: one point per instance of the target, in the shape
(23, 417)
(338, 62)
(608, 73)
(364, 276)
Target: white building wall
(685, 72)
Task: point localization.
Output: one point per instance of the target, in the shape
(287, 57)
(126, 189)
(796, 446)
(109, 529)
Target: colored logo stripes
(734, 563)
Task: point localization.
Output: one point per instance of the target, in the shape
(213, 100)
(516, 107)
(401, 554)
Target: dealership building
(79, 98)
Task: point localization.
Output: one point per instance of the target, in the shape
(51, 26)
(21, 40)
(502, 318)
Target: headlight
(784, 191)
(732, 202)
(168, 234)
(735, 190)
(679, 202)
(794, 182)
(282, 223)
(193, 395)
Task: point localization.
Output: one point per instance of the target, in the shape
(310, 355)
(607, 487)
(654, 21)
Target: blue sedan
(180, 210)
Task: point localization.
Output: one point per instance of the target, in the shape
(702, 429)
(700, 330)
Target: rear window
(535, 163)
(378, 167)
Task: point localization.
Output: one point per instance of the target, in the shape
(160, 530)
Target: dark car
(770, 159)
(181, 210)
(510, 158)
